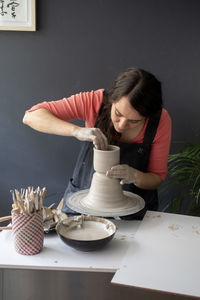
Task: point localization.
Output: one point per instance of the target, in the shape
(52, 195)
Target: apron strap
(152, 128)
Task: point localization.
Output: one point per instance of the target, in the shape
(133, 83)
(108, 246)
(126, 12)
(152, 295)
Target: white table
(60, 272)
(58, 256)
(159, 253)
(164, 256)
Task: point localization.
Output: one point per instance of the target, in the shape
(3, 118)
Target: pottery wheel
(131, 204)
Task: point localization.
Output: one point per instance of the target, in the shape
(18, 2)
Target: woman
(129, 115)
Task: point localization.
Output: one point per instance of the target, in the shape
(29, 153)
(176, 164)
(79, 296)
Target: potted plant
(184, 180)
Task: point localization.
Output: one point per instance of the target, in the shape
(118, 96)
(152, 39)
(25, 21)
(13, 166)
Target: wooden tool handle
(6, 228)
(2, 219)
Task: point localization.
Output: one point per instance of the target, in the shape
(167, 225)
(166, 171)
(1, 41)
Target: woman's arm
(147, 181)
(44, 121)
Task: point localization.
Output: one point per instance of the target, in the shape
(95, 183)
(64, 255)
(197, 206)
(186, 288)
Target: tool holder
(28, 232)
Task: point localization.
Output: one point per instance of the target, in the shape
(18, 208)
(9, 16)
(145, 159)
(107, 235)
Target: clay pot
(104, 160)
(105, 196)
(105, 193)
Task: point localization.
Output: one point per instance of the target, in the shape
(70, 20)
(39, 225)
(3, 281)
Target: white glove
(124, 172)
(92, 135)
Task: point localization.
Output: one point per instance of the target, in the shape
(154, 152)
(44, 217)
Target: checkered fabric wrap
(28, 233)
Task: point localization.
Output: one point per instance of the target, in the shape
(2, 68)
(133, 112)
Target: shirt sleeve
(83, 106)
(160, 147)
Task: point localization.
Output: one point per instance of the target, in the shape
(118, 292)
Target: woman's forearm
(147, 181)
(44, 121)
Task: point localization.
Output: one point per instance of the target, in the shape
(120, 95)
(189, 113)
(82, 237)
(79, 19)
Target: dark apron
(135, 155)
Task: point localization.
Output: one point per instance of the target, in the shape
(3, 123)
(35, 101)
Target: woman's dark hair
(143, 91)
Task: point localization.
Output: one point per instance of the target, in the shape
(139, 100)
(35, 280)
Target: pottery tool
(13, 197)
(28, 200)
(3, 219)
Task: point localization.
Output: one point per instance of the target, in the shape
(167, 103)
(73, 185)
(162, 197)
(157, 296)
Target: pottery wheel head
(130, 204)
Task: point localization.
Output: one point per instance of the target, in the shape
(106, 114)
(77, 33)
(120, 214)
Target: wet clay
(88, 231)
(105, 196)
(105, 193)
(174, 227)
(196, 229)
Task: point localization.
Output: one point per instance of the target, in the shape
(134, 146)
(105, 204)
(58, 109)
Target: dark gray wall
(80, 46)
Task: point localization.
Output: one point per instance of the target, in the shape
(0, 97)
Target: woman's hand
(125, 173)
(92, 135)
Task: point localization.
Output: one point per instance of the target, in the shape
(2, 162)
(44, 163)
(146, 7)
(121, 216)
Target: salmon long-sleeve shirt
(86, 105)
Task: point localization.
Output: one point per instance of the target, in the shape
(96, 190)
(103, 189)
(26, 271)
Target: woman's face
(124, 116)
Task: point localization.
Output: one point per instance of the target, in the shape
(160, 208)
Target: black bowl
(86, 233)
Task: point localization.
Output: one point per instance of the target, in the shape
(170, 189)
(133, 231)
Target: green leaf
(184, 174)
